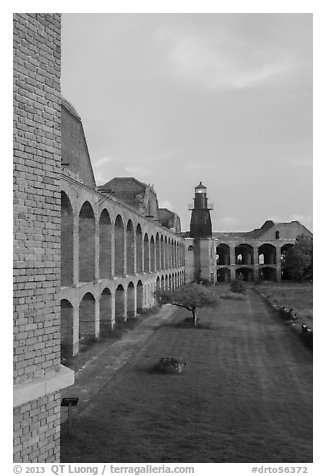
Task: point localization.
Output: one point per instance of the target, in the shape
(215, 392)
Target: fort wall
(37, 372)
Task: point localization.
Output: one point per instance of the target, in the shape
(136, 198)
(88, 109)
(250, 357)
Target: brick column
(76, 249)
(97, 249)
(232, 261)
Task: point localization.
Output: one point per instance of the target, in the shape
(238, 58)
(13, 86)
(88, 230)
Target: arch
(130, 248)
(139, 249)
(131, 300)
(157, 250)
(223, 275)
(162, 252)
(170, 283)
(67, 329)
(140, 297)
(284, 250)
(86, 243)
(120, 310)
(162, 283)
(105, 312)
(67, 241)
(223, 254)
(166, 253)
(152, 254)
(105, 243)
(86, 320)
(244, 254)
(146, 254)
(169, 253)
(268, 252)
(268, 273)
(119, 247)
(247, 274)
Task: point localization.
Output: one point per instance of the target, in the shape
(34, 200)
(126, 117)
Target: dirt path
(245, 396)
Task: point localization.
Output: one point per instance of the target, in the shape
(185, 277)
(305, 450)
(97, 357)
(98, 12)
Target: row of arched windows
(123, 250)
(244, 254)
(113, 306)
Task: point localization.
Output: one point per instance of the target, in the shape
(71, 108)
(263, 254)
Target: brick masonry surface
(37, 430)
(37, 156)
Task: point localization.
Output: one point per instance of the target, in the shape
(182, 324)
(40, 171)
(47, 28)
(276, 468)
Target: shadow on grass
(186, 324)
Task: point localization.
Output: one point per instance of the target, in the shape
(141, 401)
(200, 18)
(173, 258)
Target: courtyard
(245, 394)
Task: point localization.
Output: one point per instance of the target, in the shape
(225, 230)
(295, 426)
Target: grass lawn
(245, 395)
(299, 296)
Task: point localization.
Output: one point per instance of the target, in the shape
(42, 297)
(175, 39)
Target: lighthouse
(200, 224)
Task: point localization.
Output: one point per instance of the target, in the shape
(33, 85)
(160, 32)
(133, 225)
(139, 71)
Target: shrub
(237, 286)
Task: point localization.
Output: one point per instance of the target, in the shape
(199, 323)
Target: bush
(237, 286)
(235, 297)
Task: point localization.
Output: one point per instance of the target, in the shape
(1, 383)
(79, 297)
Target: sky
(175, 99)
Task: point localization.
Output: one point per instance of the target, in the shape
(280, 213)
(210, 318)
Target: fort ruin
(88, 257)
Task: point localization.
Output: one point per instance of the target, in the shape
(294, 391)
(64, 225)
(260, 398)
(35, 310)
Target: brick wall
(36, 430)
(37, 157)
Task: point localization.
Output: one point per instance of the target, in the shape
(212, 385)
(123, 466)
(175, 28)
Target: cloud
(211, 167)
(102, 161)
(302, 162)
(223, 61)
(137, 171)
(166, 204)
(229, 221)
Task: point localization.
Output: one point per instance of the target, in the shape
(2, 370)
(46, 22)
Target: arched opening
(120, 311)
(267, 274)
(170, 282)
(244, 254)
(157, 250)
(169, 254)
(139, 250)
(67, 327)
(157, 286)
(105, 313)
(119, 247)
(86, 243)
(246, 274)
(152, 254)
(268, 253)
(105, 239)
(162, 283)
(131, 300)
(284, 250)
(162, 252)
(166, 254)
(140, 298)
(67, 241)
(223, 275)
(223, 254)
(130, 248)
(146, 254)
(86, 321)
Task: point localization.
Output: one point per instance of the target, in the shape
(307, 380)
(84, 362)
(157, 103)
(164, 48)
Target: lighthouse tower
(200, 255)
(200, 224)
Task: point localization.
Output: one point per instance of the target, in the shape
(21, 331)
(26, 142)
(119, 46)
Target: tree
(298, 261)
(190, 296)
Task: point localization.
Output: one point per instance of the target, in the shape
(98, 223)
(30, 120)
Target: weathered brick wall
(37, 157)
(36, 430)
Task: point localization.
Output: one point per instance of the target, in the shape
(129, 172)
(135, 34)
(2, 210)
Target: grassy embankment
(299, 296)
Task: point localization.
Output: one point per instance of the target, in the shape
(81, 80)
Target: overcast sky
(174, 99)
